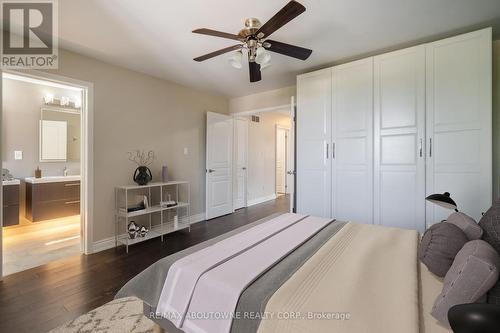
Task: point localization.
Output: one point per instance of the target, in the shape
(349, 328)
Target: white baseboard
(261, 200)
(104, 244)
(198, 218)
(109, 243)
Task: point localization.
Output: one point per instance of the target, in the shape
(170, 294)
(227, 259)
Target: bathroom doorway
(46, 154)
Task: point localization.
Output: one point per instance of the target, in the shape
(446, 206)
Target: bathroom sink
(11, 182)
(52, 179)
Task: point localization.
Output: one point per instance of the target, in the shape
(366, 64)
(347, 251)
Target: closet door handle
(430, 147)
(327, 148)
(421, 148)
(333, 150)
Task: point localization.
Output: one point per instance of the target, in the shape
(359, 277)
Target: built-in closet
(376, 136)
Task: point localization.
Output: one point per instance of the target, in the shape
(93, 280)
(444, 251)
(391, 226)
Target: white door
(399, 160)
(352, 140)
(219, 164)
(240, 163)
(281, 152)
(290, 173)
(314, 110)
(459, 123)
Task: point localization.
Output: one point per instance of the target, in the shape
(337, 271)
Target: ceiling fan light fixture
(236, 59)
(265, 65)
(262, 57)
(254, 39)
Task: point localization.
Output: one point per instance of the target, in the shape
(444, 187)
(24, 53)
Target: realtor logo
(29, 34)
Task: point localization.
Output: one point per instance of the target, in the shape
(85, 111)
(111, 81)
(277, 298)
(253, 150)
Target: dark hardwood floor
(42, 298)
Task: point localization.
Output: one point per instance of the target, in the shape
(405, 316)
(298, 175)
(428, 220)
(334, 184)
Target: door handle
(333, 150)
(210, 170)
(421, 148)
(244, 168)
(430, 147)
(327, 146)
(291, 172)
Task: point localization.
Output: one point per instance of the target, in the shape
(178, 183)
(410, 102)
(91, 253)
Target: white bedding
(217, 292)
(184, 274)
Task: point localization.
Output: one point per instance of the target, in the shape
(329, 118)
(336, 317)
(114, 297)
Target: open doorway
(45, 170)
(263, 158)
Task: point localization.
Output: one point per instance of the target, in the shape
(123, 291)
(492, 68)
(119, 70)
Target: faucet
(65, 171)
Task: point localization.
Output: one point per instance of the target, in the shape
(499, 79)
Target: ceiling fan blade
(289, 50)
(254, 71)
(218, 52)
(285, 15)
(216, 33)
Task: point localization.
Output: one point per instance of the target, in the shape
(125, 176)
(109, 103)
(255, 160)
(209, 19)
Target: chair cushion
(466, 224)
(490, 222)
(474, 271)
(439, 246)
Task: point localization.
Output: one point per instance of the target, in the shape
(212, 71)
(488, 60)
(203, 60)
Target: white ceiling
(154, 36)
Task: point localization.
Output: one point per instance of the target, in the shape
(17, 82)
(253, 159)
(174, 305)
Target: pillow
(474, 271)
(466, 224)
(439, 246)
(490, 222)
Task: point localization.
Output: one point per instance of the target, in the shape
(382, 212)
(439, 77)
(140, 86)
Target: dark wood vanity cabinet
(46, 201)
(10, 205)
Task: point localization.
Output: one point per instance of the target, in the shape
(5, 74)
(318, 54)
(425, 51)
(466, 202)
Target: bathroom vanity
(10, 202)
(52, 197)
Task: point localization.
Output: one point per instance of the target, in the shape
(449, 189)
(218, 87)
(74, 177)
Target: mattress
(367, 272)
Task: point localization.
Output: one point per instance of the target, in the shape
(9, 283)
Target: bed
(293, 273)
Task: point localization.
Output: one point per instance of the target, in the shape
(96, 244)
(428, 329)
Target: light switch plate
(18, 155)
(186, 151)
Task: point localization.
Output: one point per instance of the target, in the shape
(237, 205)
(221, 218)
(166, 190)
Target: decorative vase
(164, 174)
(142, 175)
(143, 231)
(132, 230)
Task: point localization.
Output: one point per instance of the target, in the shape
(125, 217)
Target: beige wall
(267, 99)
(137, 111)
(262, 154)
(496, 119)
(21, 116)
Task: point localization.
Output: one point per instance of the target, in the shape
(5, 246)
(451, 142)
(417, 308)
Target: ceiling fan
(253, 38)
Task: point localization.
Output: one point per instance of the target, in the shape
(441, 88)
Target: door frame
(86, 158)
(291, 107)
(287, 155)
(235, 165)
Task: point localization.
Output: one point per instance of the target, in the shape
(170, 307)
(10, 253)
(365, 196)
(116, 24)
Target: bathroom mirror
(59, 135)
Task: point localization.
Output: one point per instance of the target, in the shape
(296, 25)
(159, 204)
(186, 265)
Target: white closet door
(240, 164)
(281, 152)
(314, 108)
(399, 159)
(459, 123)
(352, 136)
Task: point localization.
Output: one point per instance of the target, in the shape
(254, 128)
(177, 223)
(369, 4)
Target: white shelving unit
(158, 217)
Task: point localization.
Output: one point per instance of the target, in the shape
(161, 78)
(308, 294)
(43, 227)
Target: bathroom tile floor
(34, 244)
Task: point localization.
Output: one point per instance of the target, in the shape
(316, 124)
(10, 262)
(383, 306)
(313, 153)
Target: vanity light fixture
(64, 101)
(48, 98)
